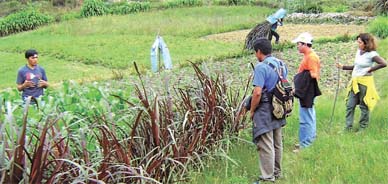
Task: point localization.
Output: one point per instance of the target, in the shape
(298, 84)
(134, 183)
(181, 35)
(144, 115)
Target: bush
(130, 7)
(379, 27)
(93, 8)
(23, 21)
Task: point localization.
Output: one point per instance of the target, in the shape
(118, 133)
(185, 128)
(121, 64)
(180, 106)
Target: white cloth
(363, 62)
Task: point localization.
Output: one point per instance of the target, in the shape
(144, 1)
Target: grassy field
(118, 41)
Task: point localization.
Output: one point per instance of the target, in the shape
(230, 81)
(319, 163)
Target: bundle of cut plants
(259, 31)
(263, 29)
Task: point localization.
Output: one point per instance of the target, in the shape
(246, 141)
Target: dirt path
(290, 31)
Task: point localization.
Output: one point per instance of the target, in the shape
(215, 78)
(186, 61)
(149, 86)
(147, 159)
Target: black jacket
(306, 88)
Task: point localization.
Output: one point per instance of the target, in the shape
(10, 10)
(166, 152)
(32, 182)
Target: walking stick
(336, 94)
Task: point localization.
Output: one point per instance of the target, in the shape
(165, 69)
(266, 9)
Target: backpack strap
(278, 70)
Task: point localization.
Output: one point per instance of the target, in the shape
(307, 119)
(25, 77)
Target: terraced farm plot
(290, 31)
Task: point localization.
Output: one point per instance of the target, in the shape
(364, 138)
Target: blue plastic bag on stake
(160, 45)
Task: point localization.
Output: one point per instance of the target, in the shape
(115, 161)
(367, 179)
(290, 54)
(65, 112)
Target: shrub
(379, 27)
(93, 8)
(130, 7)
(23, 21)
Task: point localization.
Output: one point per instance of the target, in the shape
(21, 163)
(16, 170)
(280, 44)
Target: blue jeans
(307, 126)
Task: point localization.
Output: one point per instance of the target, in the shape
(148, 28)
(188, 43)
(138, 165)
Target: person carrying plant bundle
(31, 78)
(306, 89)
(361, 89)
(274, 26)
(267, 130)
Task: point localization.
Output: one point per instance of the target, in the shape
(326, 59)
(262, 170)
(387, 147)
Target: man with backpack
(267, 130)
(306, 89)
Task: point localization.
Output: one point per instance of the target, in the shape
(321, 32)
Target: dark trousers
(353, 100)
(273, 33)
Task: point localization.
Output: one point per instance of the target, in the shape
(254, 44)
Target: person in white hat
(306, 89)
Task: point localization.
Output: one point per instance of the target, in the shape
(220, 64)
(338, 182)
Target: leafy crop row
(23, 21)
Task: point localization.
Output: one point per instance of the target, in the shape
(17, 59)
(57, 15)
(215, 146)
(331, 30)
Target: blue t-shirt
(265, 76)
(26, 73)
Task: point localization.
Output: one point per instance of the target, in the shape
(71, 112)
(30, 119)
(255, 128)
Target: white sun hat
(304, 38)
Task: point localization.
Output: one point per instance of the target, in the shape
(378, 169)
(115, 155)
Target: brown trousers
(270, 147)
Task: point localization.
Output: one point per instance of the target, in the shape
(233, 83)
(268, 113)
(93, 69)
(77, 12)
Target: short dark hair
(264, 45)
(30, 52)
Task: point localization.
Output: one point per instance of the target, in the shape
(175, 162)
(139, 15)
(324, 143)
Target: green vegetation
(23, 21)
(336, 156)
(129, 7)
(94, 8)
(181, 3)
(116, 42)
(379, 27)
(57, 70)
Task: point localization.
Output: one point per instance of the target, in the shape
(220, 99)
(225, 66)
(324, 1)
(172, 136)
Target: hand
(251, 115)
(339, 65)
(28, 84)
(42, 83)
(370, 70)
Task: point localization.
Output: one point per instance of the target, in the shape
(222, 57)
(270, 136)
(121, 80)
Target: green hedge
(23, 21)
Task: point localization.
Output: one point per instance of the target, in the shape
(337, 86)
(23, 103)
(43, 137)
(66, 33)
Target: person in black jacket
(306, 89)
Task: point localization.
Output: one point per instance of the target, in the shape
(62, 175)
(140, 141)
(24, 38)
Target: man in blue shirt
(31, 78)
(267, 130)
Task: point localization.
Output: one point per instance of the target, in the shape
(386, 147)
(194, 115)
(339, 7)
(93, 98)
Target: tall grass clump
(233, 2)
(23, 21)
(379, 27)
(303, 6)
(93, 8)
(181, 3)
(381, 7)
(129, 7)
